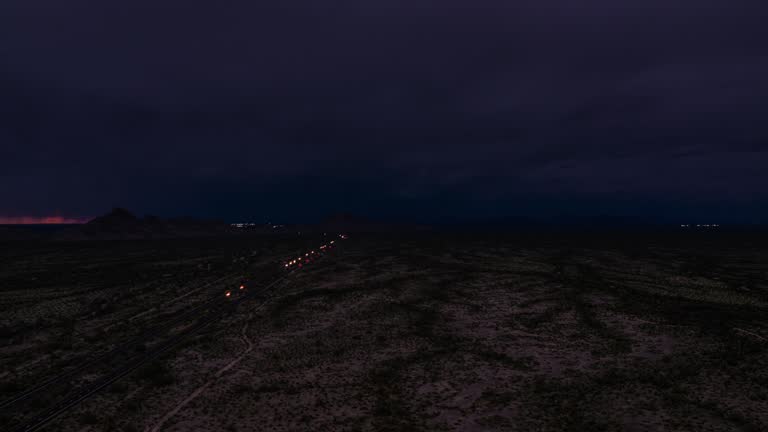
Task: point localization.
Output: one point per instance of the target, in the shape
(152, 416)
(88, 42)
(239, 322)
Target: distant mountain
(117, 221)
(121, 223)
(348, 222)
(345, 219)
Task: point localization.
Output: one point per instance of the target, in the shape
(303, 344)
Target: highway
(212, 310)
(103, 357)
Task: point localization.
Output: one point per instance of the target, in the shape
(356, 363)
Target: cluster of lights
(307, 257)
(700, 225)
(298, 262)
(251, 225)
(228, 293)
(243, 225)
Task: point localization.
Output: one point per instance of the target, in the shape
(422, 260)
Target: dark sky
(424, 110)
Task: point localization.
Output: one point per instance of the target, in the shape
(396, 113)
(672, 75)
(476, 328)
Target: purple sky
(426, 110)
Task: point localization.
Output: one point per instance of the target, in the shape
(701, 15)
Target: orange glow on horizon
(40, 220)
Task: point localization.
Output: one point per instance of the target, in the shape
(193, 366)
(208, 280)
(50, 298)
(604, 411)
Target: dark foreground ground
(424, 332)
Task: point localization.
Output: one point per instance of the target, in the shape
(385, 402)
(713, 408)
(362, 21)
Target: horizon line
(42, 220)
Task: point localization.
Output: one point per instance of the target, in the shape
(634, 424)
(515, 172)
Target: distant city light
(243, 225)
(252, 225)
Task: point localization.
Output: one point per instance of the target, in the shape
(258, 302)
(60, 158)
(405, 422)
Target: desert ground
(406, 332)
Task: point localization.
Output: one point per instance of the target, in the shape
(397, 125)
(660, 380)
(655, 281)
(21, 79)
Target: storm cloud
(407, 109)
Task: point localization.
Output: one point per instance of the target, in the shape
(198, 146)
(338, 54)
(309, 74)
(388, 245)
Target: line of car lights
(309, 256)
(298, 262)
(228, 293)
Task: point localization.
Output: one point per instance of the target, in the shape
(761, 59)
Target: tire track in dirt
(200, 390)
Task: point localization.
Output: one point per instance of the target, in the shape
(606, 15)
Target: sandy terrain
(471, 334)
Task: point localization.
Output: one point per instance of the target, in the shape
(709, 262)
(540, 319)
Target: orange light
(228, 294)
(242, 286)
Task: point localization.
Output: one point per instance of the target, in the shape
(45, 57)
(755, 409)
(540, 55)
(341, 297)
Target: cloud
(414, 100)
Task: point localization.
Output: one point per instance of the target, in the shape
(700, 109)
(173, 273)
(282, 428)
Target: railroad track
(217, 304)
(136, 362)
(135, 341)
